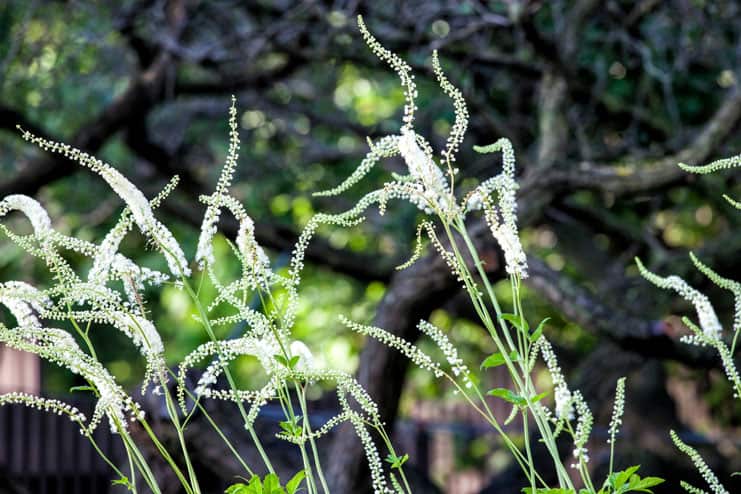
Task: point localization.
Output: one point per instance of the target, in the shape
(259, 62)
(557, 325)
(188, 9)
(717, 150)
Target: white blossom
(705, 312)
(133, 197)
(31, 208)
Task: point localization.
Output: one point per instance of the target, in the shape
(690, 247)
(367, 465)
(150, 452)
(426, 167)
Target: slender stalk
(166, 455)
(214, 425)
(209, 330)
(309, 433)
(524, 384)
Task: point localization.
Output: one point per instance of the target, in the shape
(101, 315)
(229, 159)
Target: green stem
(166, 455)
(209, 330)
(309, 433)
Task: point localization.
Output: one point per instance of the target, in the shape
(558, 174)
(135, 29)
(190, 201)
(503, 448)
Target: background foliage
(599, 98)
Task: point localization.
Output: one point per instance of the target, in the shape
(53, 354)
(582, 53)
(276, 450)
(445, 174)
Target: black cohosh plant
(708, 331)
(110, 294)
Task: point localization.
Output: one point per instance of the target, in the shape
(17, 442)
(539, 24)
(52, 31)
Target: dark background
(600, 99)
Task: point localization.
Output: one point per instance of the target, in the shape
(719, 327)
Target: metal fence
(43, 453)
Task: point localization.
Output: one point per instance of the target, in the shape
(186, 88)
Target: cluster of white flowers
(618, 409)
(705, 312)
(158, 233)
(209, 226)
(255, 262)
(432, 192)
(380, 486)
(22, 300)
(58, 347)
(224, 352)
(402, 69)
(584, 424)
(409, 350)
(727, 284)
(449, 351)
(461, 111)
(31, 208)
(425, 186)
(702, 467)
(564, 408)
(47, 405)
(502, 217)
(699, 338)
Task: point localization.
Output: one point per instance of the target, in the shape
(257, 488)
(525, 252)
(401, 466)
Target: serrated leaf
(618, 479)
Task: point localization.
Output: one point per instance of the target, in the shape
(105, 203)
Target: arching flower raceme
(31, 208)
(502, 215)
(133, 197)
(705, 312)
(204, 252)
(22, 300)
(58, 347)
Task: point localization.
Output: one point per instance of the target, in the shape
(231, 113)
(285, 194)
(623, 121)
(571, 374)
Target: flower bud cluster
(617, 410)
(46, 405)
(410, 351)
(705, 312)
(158, 233)
(707, 474)
(564, 407)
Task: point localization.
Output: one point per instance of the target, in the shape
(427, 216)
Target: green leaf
(537, 398)
(508, 395)
(497, 359)
(293, 485)
(516, 321)
(535, 336)
(637, 484)
(271, 484)
(396, 461)
(124, 481)
(294, 360)
(618, 479)
(281, 360)
(238, 489)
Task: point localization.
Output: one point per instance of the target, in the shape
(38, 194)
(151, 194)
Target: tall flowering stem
(429, 185)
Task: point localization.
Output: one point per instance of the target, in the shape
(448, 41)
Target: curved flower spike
(204, 252)
(133, 197)
(107, 258)
(386, 147)
(705, 312)
(402, 69)
(721, 164)
(458, 131)
(22, 299)
(728, 284)
(30, 207)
